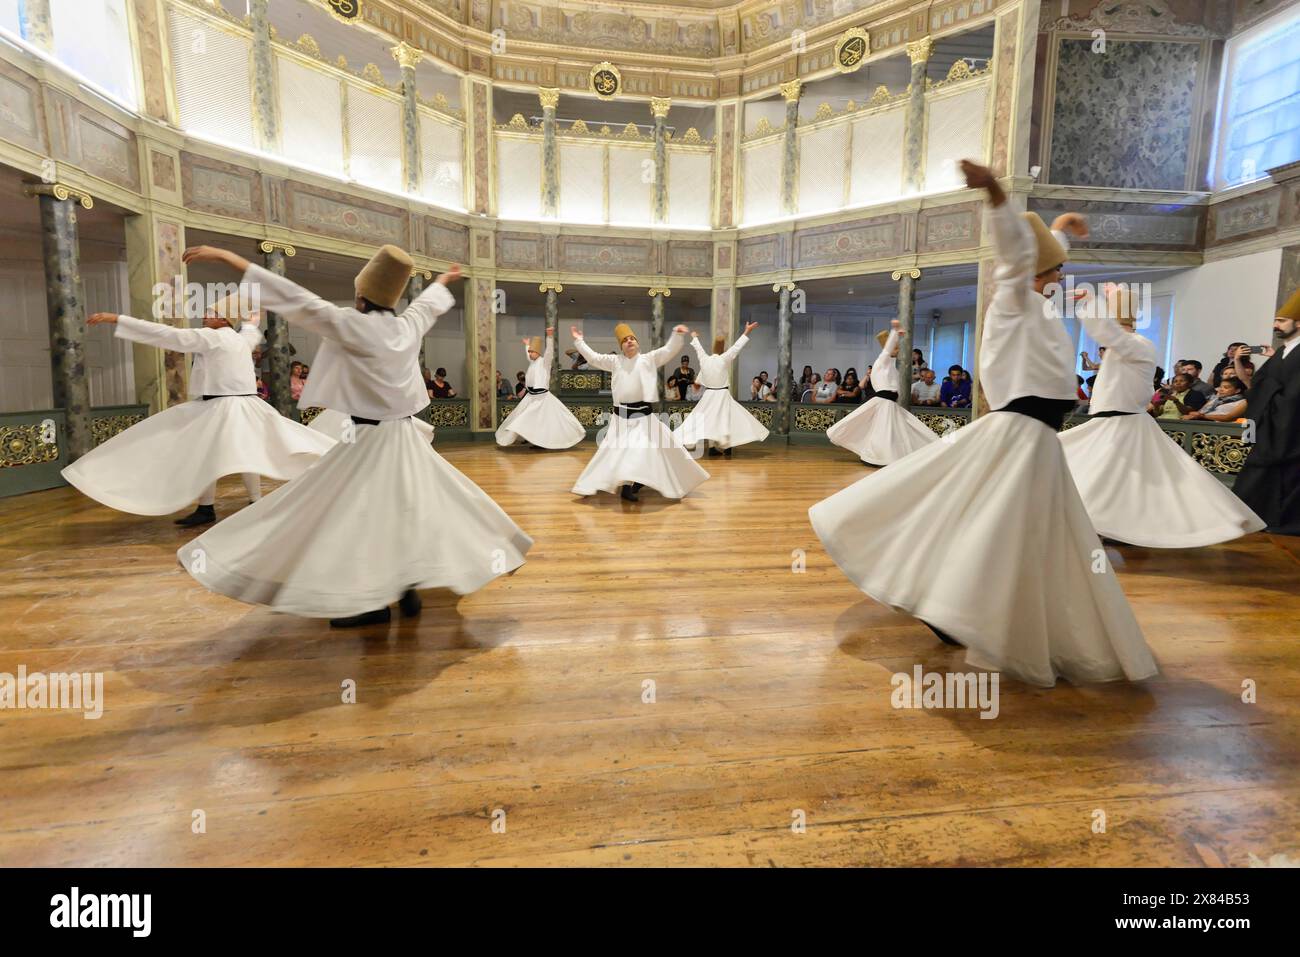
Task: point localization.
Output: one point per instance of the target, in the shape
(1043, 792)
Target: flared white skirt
(983, 535)
(641, 449)
(1140, 487)
(375, 516)
(164, 463)
(881, 432)
(542, 420)
(720, 419)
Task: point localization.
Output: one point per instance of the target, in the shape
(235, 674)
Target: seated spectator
(1177, 399)
(681, 379)
(1193, 368)
(955, 393)
(578, 361)
(850, 391)
(521, 387)
(827, 388)
(694, 392)
(297, 379)
(428, 379)
(918, 363)
(1159, 378)
(808, 375)
(1242, 367)
(503, 387)
(758, 390)
(1225, 361)
(1228, 404)
(925, 391)
(440, 388)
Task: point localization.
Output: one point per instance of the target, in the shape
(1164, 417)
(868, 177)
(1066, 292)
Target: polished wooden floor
(771, 698)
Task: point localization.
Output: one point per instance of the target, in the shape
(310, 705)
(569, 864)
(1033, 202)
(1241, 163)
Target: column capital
(791, 90)
(550, 97)
(269, 247)
(659, 106)
(898, 274)
(59, 191)
(550, 287)
(659, 291)
(778, 286)
(918, 51)
(406, 55)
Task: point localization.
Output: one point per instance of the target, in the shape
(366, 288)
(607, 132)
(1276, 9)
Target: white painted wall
(1222, 301)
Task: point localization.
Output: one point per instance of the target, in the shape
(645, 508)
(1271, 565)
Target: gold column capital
(918, 51)
(550, 97)
(406, 55)
(898, 274)
(269, 247)
(791, 90)
(778, 286)
(659, 291)
(550, 287)
(59, 191)
(659, 106)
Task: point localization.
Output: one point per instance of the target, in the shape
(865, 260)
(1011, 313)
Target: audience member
(827, 388)
(925, 391)
(1192, 367)
(849, 392)
(955, 393)
(681, 379)
(440, 388)
(1228, 404)
(1176, 399)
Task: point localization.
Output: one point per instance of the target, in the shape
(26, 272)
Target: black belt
(1050, 412)
(1106, 415)
(716, 388)
(537, 391)
(235, 395)
(886, 394)
(632, 410)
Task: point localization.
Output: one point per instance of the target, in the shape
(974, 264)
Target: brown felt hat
(535, 344)
(719, 345)
(882, 337)
(229, 310)
(622, 331)
(1050, 251)
(1291, 308)
(383, 280)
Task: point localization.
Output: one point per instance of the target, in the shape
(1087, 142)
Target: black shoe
(714, 450)
(628, 493)
(381, 616)
(202, 515)
(946, 639)
(726, 453)
(410, 603)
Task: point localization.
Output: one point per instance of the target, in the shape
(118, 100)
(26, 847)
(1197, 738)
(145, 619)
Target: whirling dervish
(1138, 486)
(717, 418)
(1033, 594)
(882, 431)
(637, 449)
(160, 465)
(383, 515)
(540, 418)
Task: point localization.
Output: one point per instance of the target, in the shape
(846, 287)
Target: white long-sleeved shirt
(222, 361)
(635, 379)
(715, 371)
(1126, 378)
(368, 362)
(884, 371)
(1025, 349)
(538, 375)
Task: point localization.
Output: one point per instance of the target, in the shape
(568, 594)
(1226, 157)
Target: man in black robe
(1269, 481)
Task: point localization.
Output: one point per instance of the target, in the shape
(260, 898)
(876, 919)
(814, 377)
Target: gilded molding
(406, 55)
(898, 274)
(550, 287)
(549, 97)
(851, 49)
(659, 291)
(659, 106)
(791, 90)
(59, 191)
(267, 247)
(918, 51)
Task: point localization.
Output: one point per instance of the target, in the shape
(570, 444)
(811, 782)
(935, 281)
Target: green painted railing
(33, 445)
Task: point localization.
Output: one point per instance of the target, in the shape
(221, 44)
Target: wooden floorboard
(772, 700)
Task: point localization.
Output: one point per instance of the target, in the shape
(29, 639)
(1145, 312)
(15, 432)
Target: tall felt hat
(719, 345)
(1291, 308)
(1119, 304)
(1050, 251)
(384, 278)
(229, 310)
(882, 337)
(622, 331)
(535, 344)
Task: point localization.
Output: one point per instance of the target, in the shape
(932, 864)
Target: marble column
(414, 286)
(657, 296)
(407, 57)
(550, 99)
(784, 359)
(906, 279)
(266, 112)
(659, 106)
(790, 156)
(553, 322)
(276, 331)
(918, 51)
(66, 310)
(36, 24)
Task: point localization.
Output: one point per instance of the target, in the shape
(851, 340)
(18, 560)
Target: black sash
(717, 388)
(236, 395)
(886, 394)
(358, 420)
(532, 391)
(1050, 412)
(1106, 415)
(632, 410)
